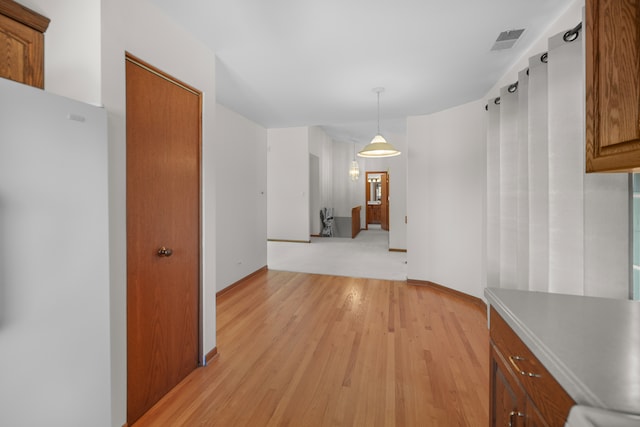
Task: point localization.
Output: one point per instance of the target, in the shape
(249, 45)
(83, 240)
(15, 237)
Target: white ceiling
(284, 63)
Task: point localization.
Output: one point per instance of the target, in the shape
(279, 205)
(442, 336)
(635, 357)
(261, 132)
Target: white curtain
(538, 131)
(493, 194)
(551, 227)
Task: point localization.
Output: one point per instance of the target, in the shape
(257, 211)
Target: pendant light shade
(378, 147)
(354, 170)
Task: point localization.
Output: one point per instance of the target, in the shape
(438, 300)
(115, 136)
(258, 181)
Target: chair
(326, 217)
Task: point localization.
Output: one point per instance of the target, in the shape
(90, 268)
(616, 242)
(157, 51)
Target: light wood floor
(299, 349)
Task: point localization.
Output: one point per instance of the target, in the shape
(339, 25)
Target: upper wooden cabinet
(22, 44)
(613, 85)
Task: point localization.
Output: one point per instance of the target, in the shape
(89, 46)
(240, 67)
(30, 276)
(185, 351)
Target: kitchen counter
(590, 345)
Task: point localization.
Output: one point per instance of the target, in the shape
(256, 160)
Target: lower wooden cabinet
(375, 214)
(507, 398)
(523, 392)
(533, 417)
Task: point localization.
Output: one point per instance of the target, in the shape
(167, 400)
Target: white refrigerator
(54, 261)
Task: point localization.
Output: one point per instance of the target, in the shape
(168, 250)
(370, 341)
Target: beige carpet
(365, 256)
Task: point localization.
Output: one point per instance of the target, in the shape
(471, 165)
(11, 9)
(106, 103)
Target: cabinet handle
(514, 414)
(513, 360)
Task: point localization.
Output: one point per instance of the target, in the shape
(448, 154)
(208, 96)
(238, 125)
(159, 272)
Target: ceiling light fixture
(354, 170)
(378, 147)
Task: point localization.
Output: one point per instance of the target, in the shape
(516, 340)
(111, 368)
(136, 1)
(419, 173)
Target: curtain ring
(527, 71)
(486, 107)
(572, 34)
(497, 101)
(513, 87)
(544, 57)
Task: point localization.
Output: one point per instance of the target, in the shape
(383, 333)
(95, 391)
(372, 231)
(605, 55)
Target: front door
(163, 228)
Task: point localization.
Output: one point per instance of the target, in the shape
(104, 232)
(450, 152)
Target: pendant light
(378, 147)
(354, 170)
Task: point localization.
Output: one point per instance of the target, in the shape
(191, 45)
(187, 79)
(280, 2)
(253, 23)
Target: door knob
(165, 252)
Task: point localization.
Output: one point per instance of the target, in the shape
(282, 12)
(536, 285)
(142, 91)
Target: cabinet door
(506, 397)
(22, 43)
(612, 85)
(22, 51)
(534, 417)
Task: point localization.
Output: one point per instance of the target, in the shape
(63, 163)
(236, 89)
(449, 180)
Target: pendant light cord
(378, 112)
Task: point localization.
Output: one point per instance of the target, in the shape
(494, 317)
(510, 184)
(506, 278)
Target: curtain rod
(568, 37)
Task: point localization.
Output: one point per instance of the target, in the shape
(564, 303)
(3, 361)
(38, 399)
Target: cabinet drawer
(544, 391)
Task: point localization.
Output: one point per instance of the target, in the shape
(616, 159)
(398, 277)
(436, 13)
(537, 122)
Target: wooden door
(163, 205)
(378, 213)
(384, 206)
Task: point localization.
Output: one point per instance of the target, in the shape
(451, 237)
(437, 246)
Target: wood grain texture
(21, 53)
(211, 356)
(374, 214)
(163, 209)
(24, 15)
(312, 350)
(544, 393)
(507, 398)
(612, 29)
(240, 282)
(470, 299)
(384, 206)
(355, 221)
(377, 214)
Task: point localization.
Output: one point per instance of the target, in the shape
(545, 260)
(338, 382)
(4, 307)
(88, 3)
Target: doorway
(377, 197)
(163, 119)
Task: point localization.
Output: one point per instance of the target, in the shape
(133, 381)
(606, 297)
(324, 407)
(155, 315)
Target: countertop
(590, 345)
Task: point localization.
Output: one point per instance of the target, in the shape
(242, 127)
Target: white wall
(566, 20)
(321, 145)
(398, 181)
(315, 196)
(143, 30)
(241, 197)
(438, 251)
(344, 189)
(288, 184)
(320, 148)
(72, 47)
(82, 65)
(397, 169)
(447, 174)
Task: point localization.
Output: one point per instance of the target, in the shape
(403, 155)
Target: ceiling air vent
(507, 39)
